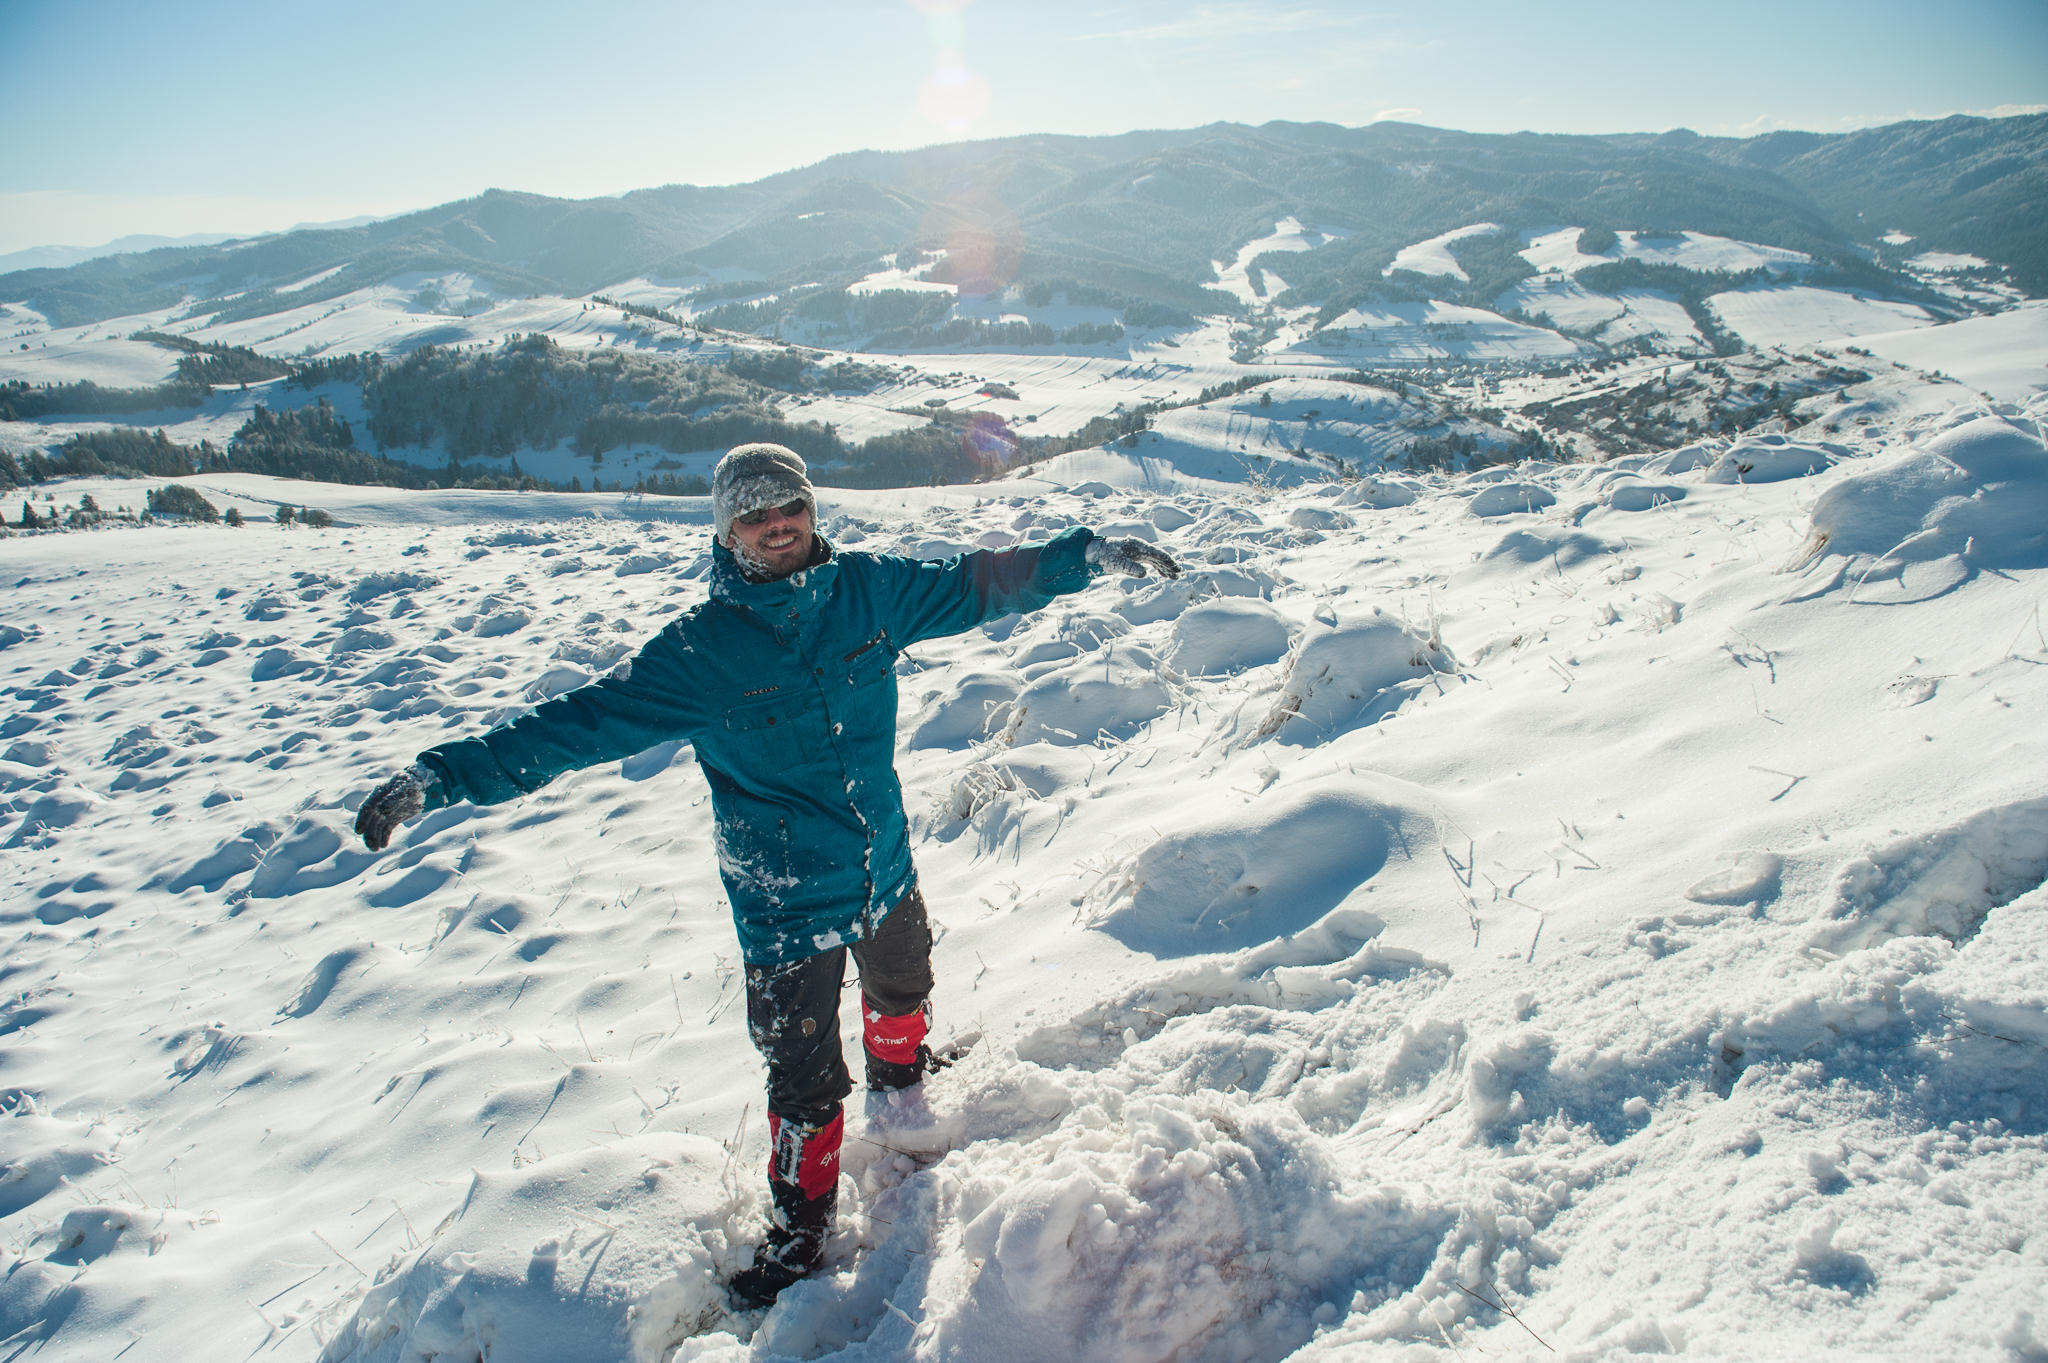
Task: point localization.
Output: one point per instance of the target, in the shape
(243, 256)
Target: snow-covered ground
(894, 280)
(1557, 251)
(1413, 333)
(1802, 315)
(1947, 262)
(111, 362)
(1614, 320)
(2004, 355)
(1589, 911)
(1288, 235)
(459, 310)
(1434, 255)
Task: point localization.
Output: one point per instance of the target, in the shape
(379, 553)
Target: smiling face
(777, 544)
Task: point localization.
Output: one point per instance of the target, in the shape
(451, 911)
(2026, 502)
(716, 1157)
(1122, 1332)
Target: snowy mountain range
(1147, 215)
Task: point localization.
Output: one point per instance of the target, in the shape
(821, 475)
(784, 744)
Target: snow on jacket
(787, 689)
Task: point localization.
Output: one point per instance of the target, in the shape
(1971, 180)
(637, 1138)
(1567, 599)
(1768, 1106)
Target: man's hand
(1131, 557)
(388, 806)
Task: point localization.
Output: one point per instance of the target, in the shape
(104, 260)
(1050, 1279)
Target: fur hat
(751, 477)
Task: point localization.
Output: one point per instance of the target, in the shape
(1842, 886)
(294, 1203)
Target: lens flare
(953, 96)
(989, 441)
(982, 240)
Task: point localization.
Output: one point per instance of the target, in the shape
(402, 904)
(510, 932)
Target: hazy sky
(134, 116)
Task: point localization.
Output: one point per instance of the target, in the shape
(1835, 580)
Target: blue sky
(228, 116)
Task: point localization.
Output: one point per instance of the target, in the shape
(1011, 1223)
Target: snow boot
(886, 1076)
(794, 1248)
(896, 1051)
(803, 1179)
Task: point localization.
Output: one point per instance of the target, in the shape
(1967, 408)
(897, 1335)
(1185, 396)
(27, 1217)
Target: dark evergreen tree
(183, 500)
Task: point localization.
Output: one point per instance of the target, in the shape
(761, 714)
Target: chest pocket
(871, 664)
(871, 669)
(769, 727)
(867, 702)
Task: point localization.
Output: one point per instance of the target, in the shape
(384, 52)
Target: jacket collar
(788, 605)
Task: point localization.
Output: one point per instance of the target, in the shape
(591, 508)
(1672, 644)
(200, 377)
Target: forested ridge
(484, 407)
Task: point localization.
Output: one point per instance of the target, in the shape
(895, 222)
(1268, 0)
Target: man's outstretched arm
(947, 596)
(645, 702)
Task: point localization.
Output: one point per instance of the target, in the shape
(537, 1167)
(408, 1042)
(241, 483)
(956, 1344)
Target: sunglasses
(789, 511)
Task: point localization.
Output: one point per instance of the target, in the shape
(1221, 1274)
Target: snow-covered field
(1580, 911)
(1410, 333)
(1612, 319)
(1801, 315)
(2005, 355)
(1288, 235)
(1434, 255)
(1558, 251)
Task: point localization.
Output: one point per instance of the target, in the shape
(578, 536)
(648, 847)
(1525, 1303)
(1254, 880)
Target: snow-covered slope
(1800, 315)
(1433, 257)
(2002, 355)
(1288, 235)
(1557, 251)
(1580, 910)
(1614, 320)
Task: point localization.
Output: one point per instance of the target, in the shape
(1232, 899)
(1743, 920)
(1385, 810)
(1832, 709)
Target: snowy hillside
(1591, 910)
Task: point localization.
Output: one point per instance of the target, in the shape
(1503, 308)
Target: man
(784, 681)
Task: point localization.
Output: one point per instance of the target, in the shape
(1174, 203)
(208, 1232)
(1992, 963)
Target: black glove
(388, 806)
(1131, 557)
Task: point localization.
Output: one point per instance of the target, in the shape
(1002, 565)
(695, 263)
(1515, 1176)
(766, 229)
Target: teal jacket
(787, 689)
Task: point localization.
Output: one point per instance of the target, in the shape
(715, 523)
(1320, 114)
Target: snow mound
(1227, 635)
(965, 713)
(360, 639)
(1112, 695)
(1379, 493)
(1637, 494)
(1200, 1228)
(375, 585)
(633, 565)
(58, 809)
(1972, 498)
(1263, 872)
(44, 1152)
(1684, 459)
(1751, 878)
(1344, 673)
(614, 1252)
(500, 623)
(1505, 499)
(1559, 550)
(1771, 459)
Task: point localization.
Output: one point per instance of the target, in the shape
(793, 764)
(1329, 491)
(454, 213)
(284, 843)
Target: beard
(763, 567)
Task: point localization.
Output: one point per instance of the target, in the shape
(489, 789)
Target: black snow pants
(793, 1013)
